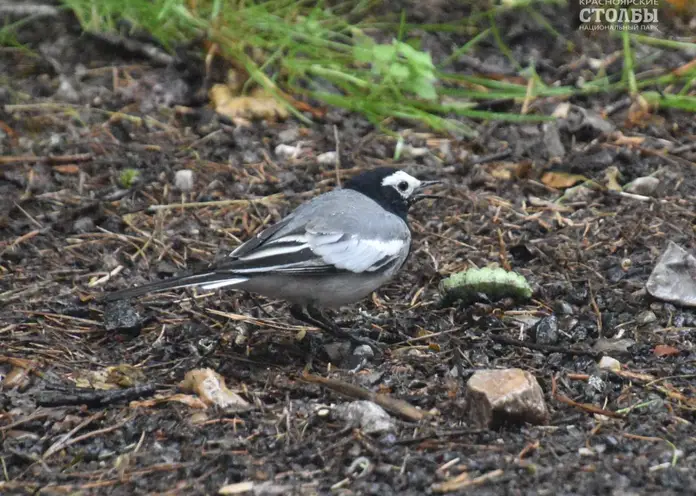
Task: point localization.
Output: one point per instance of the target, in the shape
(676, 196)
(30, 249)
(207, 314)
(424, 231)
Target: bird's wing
(253, 243)
(316, 253)
(338, 233)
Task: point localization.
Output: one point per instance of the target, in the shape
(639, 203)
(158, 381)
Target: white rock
(287, 151)
(328, 158)
(183, 180)
(368, 416)
(645, 186)
(584, 451)
(609, 363)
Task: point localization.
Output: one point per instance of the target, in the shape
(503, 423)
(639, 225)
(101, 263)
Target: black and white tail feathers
(206, 281)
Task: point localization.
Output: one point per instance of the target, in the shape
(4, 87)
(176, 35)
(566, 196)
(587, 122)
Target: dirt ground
(76, 112)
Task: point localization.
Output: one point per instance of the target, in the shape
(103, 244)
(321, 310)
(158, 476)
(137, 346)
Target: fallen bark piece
(509, 396)
(674, 277)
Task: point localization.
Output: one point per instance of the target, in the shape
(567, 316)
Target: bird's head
(393, 189)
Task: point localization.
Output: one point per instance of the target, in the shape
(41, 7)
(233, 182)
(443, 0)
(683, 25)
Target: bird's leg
(317, 318)
(298, 312)
(257, 303)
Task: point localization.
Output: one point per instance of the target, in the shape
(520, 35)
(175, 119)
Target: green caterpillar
(495, 283)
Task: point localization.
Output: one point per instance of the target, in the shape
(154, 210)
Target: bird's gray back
(349, 212)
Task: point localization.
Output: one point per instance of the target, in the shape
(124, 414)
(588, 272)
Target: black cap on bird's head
(393, 189)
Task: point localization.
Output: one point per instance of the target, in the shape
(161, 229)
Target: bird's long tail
(206, 281)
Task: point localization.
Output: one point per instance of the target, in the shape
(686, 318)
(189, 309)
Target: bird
(331, 251)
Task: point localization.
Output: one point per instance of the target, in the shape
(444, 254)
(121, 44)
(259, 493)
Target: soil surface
(79, 114)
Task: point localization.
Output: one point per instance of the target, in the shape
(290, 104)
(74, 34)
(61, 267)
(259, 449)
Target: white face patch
(403, 183)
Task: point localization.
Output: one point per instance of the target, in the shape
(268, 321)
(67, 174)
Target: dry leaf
(561, 180)
(524, 169)
(258, 105)
(237, 488)
(94, 379)
(640, 114)
(18, 377)
(611, 178)
(629, 140)
(662, 350)
(122, 375)
(502, 170)
(210, 387)
(67, 169)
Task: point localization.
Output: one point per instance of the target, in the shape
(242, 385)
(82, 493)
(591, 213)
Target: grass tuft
(324, 52)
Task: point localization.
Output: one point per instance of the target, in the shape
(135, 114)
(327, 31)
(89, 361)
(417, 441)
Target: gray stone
(289, 135)
(83, 225)
(563, 308)
(645, 186)
(338, 351)
(546, 330)
(646, 317)
(366, 415)
(674, 277)
(121, 316)
(552, 141)
(615, 346)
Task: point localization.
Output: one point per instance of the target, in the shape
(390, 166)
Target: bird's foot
(316, 318)
(356, 340)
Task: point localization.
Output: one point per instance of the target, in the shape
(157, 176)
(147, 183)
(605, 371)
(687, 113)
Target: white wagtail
(333, 250)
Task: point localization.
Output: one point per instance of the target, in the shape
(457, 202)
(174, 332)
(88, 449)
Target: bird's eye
(403, 186)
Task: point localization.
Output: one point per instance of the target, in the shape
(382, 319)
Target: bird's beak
(420, 195)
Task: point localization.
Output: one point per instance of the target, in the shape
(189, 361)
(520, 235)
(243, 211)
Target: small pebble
(614, 346)
(183, 180)
(646, 317)
(83, 225)
(596, 383)
(578, 194)
(645, 186)
(368, 416)
(121, 316)
(364, 351)
(327, 158)
(289, 135)
(408, 151)
(66, 91)
(546, 330)
(322, 411)
(563, 308)
(287, 151)
(609, 363)
(337, 351)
